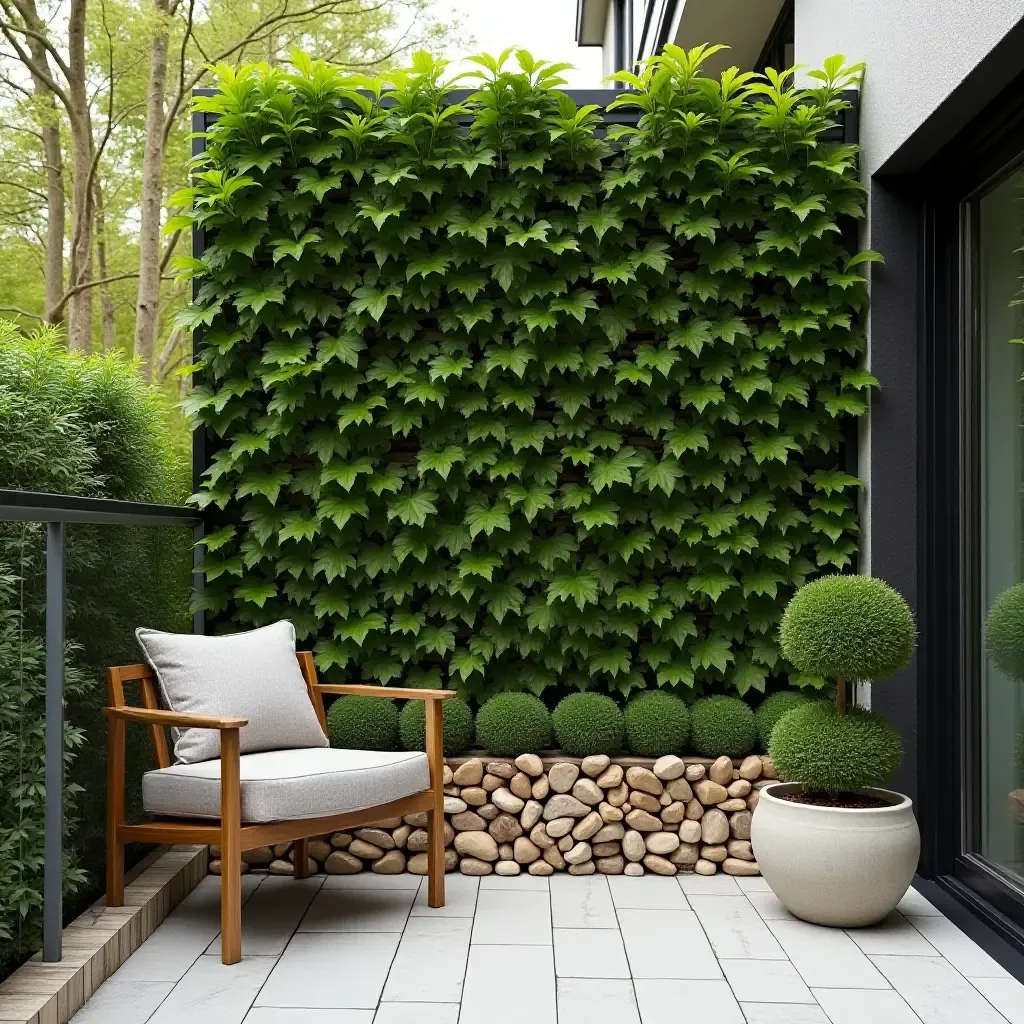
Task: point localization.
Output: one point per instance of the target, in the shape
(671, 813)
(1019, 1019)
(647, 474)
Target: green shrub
(363, 723)
(772, 708)
(1004, 632)
(588, 723)
(848, 628)
(722, 725)
(830, 752)
(458, 725)
(656, 723)
(510, 724)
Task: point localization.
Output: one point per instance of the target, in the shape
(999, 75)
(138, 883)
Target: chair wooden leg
(300, 858)
(230, 850)
(115, 873)
(435, 816)
(115, 811)
(435, 858)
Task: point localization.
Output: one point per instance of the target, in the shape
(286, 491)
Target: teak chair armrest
(398, 692)
(177, 719)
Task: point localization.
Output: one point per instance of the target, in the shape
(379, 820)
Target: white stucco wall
(917, 52)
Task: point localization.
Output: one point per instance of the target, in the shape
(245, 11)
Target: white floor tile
(417, 1013)
(521, 882)
(665, 1000)
(857, 1005)
(1005, 994)
(895, 936)
(509, 985)
(962, 952)
(735, 929)
(212, 993)
(596, 1001)
(752, 883)
(786, 1013)
(511, 918)
(667, 944)
(936, 992)
(346, 970)
(769, 907)
(272, 914)
(766, 981)
(120, 1001)
(708, 885)
(358, 910)
(369, 880)
(431, 961)
(826, 957)
(914, 904)
(651, 892)
(303, 1015)
(589, 953)
(582, 901)
(459, 898)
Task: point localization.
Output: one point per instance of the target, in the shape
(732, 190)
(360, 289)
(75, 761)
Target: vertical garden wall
(501, 400)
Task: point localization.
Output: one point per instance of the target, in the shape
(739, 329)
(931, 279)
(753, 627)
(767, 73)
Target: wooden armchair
(228, 799)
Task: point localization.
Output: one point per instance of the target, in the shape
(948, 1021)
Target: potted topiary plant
(836, 849)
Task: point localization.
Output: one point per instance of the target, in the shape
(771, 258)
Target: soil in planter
(853, 801)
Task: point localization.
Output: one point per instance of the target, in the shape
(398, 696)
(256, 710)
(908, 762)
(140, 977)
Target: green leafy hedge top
(504, 402)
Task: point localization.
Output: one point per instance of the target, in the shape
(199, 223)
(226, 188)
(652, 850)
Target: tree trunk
(82, 149)
(106, 299)
(147, 310)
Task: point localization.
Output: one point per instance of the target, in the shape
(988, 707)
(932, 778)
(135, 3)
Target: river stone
(561, 776)
(588, 827)
(531, 764)
(634, 870)
(385, 823)
(752, 798)
(418, 819)
(524, 851)
(558, 827)
(633, 846)
(472, 866)
(418, 841)
(586, 868)
(540, 868)
(617, 795)
(401, 835)
(469, 773)
(377, 836)
(610, 865)
(694, 810)
(476, 845)
(644, 801)
(644, 822)
(502, 769)
(565, 844)
(710, 792)
(768, 769)
(740, 787)
(610, 833)
(392, 863)
(342, 863)
(563, 805)
(659, 865)
(452, 790)
(740, 849)
(505, 828)
(611, 777)
(467, 821)
(475, 796)
(674, 813)
(662, 843)
(610, 813)
(679, 789)
(454, 805)
(750, 769)
(695, 772)
(521, 786)
(669, 767)
(721, 771)
(733, 804)
(739, 825)
(506, 851)
(491, 782)
(531, 814)
(714, 827)
(665, 800)
(606, 849)
(588, 791)
(689, 831)
(507, 801)
(488, 812)
(716, 854)
(685, 855)
(705, 867)
(645, 780)
(734, 866)
(541, 788)
(539, 837)
(507, 867)
(366, 851)
(262, 856)
(579, 853)
(279, 850)
(341, 840)
(595, 764)
(553, 856)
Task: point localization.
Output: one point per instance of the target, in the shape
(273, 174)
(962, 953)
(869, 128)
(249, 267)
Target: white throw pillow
(252, 675)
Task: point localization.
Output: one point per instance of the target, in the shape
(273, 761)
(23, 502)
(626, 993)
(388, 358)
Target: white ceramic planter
(837, 866)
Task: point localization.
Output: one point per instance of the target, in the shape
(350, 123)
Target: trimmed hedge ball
(656, 723)
(510, 724)
(588, 723)
(363, 723)
(772, 708)
(1004, 632)
(848, 627)
(722, 725)
(457, 723)
(832, 753)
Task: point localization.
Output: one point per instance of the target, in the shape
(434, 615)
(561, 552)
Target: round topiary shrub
(772, 708)
(588, 723)
(848, 628)
(457, 724)
(363, 723)
(1004, 632)
(656, 723)
(722, 725)
(510, 724)
(829, 752)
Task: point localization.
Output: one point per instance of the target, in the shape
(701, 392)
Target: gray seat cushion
(289, 784)
(252, 675)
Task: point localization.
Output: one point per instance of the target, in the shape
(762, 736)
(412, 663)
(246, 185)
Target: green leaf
(412, 509)
(581, 588)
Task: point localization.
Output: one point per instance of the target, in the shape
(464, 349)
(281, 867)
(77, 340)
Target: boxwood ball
(1004, 632)
(722, 725)
(457, 722)
(848, 627)
(772, 708)
(363, 723)
(656, 723)
(510, 724)
(588, 723)
(830, 753)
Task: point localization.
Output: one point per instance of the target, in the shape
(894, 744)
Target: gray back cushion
(252, 675)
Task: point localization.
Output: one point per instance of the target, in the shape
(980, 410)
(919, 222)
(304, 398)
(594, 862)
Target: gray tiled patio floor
(366, 949)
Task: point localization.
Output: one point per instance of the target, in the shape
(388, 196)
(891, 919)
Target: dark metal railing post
(53, 855)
